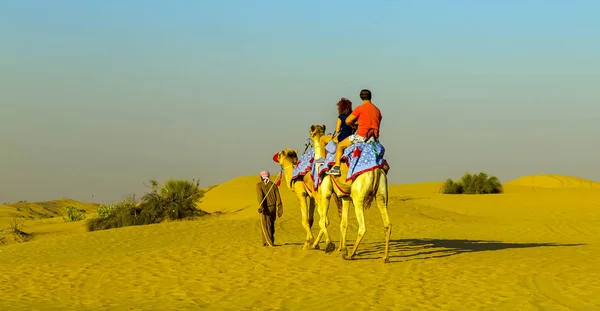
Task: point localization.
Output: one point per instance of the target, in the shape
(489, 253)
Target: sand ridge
(514, 251)
(554, 181)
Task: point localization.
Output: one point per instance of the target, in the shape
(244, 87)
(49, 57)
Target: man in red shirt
(368, 118)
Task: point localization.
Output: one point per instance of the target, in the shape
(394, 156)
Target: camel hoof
(385, 260)
(346, 257)
(330, 248)
(306, 246)
(316, 247)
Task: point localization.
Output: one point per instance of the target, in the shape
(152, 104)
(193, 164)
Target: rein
(306, 145)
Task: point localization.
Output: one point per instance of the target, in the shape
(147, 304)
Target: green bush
(105, 210)
(174, 200)
(121, 214)
(73, 214)
(473, 184)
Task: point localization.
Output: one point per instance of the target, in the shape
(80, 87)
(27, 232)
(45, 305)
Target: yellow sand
(449, 252)
(554, 181)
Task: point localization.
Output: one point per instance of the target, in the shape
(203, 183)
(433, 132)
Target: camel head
(316, 130)
(286, 157)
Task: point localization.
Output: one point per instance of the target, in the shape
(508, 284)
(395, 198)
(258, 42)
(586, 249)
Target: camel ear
(312, 128)
(324, 128)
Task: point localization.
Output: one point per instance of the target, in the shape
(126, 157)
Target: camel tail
(372, 192)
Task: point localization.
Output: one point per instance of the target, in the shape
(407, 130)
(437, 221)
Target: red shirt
(368, 118)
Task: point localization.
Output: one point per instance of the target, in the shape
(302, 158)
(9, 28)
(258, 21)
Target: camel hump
(357, 159)
(364, 157)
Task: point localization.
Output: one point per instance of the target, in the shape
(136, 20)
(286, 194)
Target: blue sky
(96, 97)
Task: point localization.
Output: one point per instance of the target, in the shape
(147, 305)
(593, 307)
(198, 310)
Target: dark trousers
(268, 226)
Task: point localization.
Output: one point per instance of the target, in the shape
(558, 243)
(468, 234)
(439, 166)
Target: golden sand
(533, 248)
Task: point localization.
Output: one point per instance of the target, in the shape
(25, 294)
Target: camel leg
(307, 221)
(323, 223)
(382, 204)
(322, 215)
(343, 250)
(302, 198)
(324, 196)
(362, 228)
(312, 206)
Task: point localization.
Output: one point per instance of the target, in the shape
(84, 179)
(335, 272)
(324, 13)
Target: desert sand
(535, 247)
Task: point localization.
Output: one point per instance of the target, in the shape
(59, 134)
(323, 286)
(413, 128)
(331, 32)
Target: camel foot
(385, 260)
(346, 257)
(306, 246)
(329, 248)
(341, 251)
(315, 247)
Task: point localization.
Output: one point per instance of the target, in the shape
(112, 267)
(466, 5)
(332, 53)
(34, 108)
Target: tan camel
(368, 186)
(302, 186)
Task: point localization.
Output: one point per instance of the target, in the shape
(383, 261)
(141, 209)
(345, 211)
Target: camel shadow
(421, 249)
(289, 244)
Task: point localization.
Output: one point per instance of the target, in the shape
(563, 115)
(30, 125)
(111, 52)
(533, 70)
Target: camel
(366, 187)
(303, 187)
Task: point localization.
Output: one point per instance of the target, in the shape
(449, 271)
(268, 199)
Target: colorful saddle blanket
(361, 157)
(304, 163)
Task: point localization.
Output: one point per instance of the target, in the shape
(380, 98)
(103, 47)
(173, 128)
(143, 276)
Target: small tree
(473, 184)
(451, 187)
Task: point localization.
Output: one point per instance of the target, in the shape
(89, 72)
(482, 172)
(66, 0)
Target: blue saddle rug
(304, 163)
(361, 157)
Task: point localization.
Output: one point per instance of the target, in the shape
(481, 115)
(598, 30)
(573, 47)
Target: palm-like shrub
(473, 184)
(176, 199)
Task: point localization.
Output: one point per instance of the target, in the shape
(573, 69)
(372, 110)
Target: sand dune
(41, 210)
(522, 250)
(554, 181)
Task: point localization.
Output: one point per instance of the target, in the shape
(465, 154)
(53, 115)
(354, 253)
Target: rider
(342, 130)
(368, 118)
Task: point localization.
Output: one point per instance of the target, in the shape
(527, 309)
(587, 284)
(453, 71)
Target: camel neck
(318, 152)
(287, 173)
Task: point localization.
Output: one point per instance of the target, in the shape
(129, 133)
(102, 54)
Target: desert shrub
(120, 214)
(473, 184)
(16, 231)
(105, 210)
(73, 214)
(174, 200)
(451, 187)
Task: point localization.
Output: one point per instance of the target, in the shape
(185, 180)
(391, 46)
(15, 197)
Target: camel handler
(269, 201)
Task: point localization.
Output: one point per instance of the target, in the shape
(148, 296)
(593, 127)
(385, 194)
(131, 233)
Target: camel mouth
(276, 158)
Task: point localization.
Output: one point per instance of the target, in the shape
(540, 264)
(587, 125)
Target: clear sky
(97, 97)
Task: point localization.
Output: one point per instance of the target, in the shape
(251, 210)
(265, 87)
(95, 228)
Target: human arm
(338, 126)
(350, 120)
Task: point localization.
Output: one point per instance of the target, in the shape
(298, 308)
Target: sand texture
(536, 247)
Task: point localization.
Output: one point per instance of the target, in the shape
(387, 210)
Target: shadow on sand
(420, 249)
